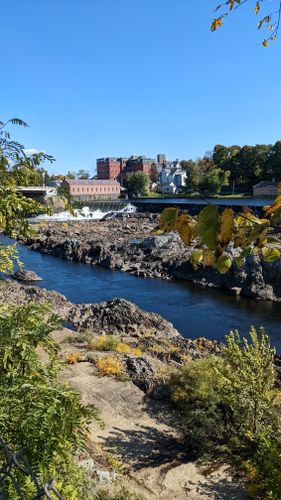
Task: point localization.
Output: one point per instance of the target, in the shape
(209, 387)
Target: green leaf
(270, 254)
(223, 264)
(168, 218)
(196, 257)
(208, 226)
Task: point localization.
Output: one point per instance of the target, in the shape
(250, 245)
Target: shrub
(73, 358)
(266, 464)
(109, 365)
(196, 391)
(104, 343)
(231, 403)
(250, 378)
(110, 343)
(122, 494)
(38, 413)
(123, 348)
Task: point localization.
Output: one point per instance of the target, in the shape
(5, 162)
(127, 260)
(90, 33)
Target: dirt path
(142, 433)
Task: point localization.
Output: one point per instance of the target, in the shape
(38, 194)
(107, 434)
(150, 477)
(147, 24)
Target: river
(194, 311)
(239, 202)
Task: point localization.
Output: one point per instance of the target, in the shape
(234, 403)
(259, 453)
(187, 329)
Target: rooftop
(90, 182)
(265, 183)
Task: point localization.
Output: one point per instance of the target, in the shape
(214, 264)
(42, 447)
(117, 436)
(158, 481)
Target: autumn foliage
(269, 21)
(212, 233)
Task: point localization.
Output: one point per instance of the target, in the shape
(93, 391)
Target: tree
(273, 164)
(15, 167)
(230, 400)
(154, 174)
(136, 183)
(189, 167)
(251, 380)
(70, 175)
(270, 21)
(214, 180)
(83, 174)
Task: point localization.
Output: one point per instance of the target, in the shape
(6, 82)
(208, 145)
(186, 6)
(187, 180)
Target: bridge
(36, 192)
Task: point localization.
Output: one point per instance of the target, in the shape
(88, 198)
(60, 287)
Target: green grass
(197, 195)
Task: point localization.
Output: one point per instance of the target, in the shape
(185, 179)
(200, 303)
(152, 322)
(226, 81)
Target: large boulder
(120, 317)
(12, 292)
(25, 275)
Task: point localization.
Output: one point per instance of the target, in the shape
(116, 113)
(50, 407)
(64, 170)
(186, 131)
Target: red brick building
(110, 168)
(84, 190)
(139, 164)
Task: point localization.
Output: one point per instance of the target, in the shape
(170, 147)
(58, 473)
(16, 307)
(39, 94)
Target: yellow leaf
(271, 209)
(184, 229)
(226, 227)
(208, 258)
(216, 23)
(265, 43)
(257, 8)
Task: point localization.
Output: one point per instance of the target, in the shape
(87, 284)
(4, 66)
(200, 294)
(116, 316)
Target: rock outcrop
(121, 317)
(127, 244)
(25, 275)
(115, 317)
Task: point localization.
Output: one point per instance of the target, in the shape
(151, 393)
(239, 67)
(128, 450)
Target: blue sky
(119, 77)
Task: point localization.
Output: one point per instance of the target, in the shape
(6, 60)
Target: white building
(172, 178)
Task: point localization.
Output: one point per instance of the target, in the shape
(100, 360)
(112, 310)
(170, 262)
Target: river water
(239, 202)
(193, 310)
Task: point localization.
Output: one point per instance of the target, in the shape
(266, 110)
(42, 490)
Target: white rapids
(83, 214)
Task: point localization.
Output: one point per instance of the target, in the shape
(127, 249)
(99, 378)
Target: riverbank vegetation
(231, 405)
(39, 413)
(237, 167)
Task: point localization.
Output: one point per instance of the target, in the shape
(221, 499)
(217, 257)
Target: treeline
(239, 168)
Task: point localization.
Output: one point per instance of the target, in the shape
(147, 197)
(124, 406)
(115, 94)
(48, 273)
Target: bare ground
(144, 435)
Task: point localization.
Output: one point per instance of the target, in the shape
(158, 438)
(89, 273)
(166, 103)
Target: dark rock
(25, 275)
(160, 391)
(12, 292)
(119, 316)
(126, 244)
(141, 372)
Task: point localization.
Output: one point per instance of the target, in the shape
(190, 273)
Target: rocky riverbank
(128, 244)
(141, 446)
(116, 317)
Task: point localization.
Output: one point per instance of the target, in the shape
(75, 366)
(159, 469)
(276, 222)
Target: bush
(109, 365)
(266, 462)
(196, 391)
(38, 413)
(231, 403)
(110, 343)
(104, 343)
(73, 358)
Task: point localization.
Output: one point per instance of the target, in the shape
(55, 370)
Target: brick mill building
(115, 168)
(83, 190)
(111, 168)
